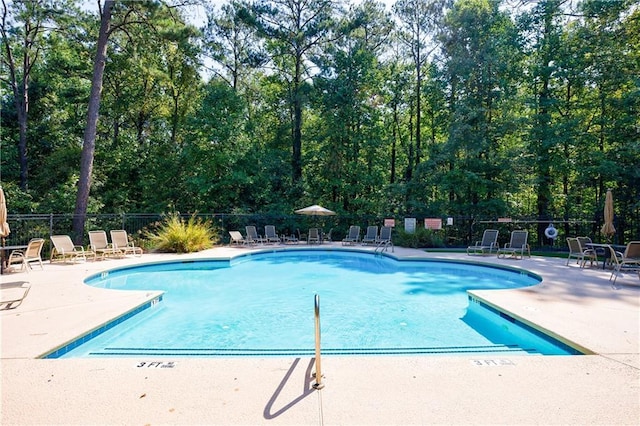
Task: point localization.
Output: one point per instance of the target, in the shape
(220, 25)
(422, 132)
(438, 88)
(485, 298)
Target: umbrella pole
(2, 257)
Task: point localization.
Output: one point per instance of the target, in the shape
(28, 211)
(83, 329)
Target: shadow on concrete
(307, 389)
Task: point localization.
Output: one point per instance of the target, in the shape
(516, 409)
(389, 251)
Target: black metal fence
(455, 232)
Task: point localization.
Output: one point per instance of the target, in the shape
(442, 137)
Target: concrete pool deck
(573, 304)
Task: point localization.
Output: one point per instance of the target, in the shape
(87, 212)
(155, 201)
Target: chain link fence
(455, 232)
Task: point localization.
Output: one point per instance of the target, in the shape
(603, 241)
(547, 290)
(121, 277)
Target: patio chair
(585, 244)
(13, 293)
(237, 238)
(517, 244)
(270, 234)
(120, 240)
(313, 237)
(64, 249)
(384, 239)
(291, 239)
(101, 246)
(627, 261)
(25, 257)
(326, 238)
(252, 235)
(488, 244)
(580, 254)
(371, 237)
(353, 237)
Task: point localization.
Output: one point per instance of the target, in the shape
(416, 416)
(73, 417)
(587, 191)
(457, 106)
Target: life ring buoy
(551, 232)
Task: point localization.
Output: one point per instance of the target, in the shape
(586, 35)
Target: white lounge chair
(64, 249)
(238, 239)
(120, 241)
(101, 246)
(13, 293)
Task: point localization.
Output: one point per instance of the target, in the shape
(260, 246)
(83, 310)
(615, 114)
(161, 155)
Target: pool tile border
(65, 348)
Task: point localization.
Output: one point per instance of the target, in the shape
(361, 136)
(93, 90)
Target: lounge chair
(252, 235)
(579, 253)
(293, 239)
(121, 242)
(627, 261)
(64, 249)
(516, 245)
(101, 246)
(371, 236)
(270, 234)
(313, 237)
(238, 239)
(353, 237)
(384, 239)
(24, 257)
(488, 244)
(13, 293)
(326, 238)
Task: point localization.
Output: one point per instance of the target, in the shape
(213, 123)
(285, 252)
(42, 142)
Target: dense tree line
(474, 108)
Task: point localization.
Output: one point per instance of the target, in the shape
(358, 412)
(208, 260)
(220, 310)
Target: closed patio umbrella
(4, 226)
(607, 227)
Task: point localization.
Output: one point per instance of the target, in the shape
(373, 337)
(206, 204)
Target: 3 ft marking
(156, 364)
(492, 362)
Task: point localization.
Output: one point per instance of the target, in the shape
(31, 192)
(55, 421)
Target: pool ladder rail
(318, 373)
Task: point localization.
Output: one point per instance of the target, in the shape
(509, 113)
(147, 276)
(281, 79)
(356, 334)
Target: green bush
(175, 235)
(420, 238)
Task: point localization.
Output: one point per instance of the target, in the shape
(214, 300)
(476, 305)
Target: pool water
(264, 305)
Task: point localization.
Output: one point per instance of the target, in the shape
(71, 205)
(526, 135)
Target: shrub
(420, 238)
(174, 235)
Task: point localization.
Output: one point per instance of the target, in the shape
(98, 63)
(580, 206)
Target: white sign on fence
(410, 225)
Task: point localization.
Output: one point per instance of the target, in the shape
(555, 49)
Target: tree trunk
(297, 123)
(20, 89)
(90, 131)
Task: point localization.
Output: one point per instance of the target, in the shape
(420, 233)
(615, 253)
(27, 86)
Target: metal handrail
(318, 374)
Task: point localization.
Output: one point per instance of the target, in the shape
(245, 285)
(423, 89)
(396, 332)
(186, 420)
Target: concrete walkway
(575, 305)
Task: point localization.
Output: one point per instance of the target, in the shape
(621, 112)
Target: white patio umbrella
(316, 210)
(608, 228)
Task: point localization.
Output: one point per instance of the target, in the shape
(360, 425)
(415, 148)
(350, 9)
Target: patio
(573, 304)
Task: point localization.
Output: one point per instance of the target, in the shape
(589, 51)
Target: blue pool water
(263, 304)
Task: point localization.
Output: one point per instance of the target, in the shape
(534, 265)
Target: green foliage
(523, 113)
(420, 238)
(175, 235)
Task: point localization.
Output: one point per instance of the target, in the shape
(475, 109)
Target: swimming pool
(262, 304)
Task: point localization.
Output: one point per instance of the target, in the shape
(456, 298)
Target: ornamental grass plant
(175, 235)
